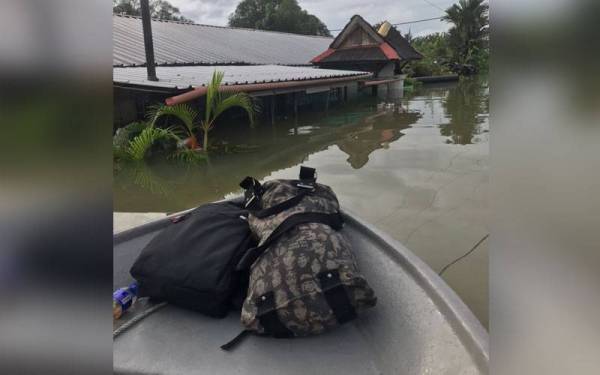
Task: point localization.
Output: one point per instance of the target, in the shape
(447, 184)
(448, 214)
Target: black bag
(192, 262)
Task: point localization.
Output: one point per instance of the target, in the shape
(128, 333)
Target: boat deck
(419, 325)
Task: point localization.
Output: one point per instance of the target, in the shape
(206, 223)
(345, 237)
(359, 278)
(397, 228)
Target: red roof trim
(388, 51)
(322, 55)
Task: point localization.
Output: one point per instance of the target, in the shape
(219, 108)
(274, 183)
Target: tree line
(160, 9)
(277, 15)
(463, 49)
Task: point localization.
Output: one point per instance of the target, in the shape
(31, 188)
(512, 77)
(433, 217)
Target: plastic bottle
(123, 299)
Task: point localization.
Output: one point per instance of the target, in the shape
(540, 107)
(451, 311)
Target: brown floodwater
(416, 167)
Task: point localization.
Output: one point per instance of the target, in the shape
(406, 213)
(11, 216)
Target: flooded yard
(417, 169)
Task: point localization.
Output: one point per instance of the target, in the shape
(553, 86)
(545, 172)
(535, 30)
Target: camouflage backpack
(303, 276)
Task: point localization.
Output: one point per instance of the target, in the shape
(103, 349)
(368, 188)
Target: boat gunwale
(462, 320)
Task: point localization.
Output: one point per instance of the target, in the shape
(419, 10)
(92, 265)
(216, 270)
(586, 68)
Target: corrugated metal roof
(184, 77)
(192, 44)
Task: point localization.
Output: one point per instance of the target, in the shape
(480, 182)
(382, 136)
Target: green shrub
(127, 133)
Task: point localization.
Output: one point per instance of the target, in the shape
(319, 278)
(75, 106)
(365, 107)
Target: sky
(335, 13)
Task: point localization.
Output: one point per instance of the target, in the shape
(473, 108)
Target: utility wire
(434, 5)
(406, 23)
(463, 256)
(423, 20)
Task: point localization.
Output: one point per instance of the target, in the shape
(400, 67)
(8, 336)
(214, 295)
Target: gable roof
(401, 45)
(355, 22)
(392, 45)
(179, 43)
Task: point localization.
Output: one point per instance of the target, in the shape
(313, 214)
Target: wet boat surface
(419, 326)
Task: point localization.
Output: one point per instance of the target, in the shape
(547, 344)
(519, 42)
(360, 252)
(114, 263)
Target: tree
(158, 9)
(468, 37)
(277, 15)
(435, 51)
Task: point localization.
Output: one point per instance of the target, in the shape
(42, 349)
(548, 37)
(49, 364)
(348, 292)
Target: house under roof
(187, 54)
(275, 67)
(360, 47)
(179, 43)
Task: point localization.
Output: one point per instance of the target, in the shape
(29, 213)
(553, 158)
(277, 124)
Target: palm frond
(139, 146)
(213, 96)
(185, 113)
(241, 100)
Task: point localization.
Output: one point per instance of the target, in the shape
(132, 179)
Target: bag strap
(236, 340)
(334, 220)
(306, 184)
(287, 204)
(336, 296)
(253, 191)
(268, 318)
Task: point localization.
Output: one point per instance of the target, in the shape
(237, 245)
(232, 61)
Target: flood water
(417, 169)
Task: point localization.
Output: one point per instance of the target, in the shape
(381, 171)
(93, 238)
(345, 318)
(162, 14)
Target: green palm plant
(187, 117)
(186, 129)
(470, 19)
(217, 103)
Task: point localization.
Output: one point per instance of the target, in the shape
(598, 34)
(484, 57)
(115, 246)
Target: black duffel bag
(191, 263)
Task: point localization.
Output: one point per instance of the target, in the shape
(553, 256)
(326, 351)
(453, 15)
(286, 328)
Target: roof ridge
(192, 23)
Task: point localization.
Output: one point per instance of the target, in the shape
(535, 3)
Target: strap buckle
(250, 200)
(307, 178)
(253, 191)
(308, 174)
(305, 186)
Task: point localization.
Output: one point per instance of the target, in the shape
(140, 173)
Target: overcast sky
(334, 13)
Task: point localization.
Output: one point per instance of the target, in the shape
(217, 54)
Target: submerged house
(278, 68)
(383, 52)
(272, 66)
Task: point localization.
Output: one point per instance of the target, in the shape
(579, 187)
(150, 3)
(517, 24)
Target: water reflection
(416, 167)
(381, 129)
(358, 129)
(467, 107)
